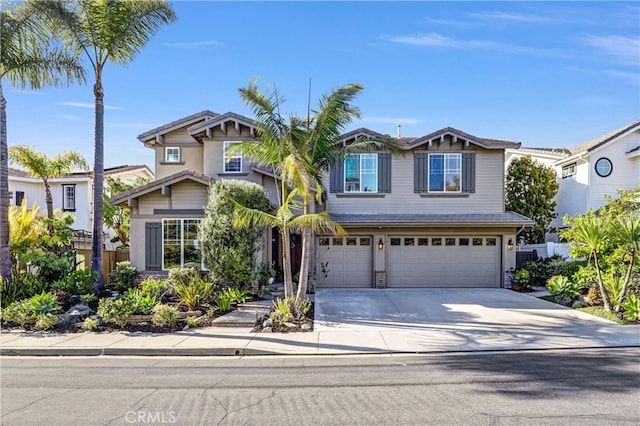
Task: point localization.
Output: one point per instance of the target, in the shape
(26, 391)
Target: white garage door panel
(348, 262)
(465, 265)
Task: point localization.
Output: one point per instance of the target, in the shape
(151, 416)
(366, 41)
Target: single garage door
(443, 261)
(344, 262)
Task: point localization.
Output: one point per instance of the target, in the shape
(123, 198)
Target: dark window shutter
(153, 246)
(19, 197)
(420, 172)
(384, 172)
(468, 172)
(336, 178)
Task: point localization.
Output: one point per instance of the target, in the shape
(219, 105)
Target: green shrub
(541, 270)
(156, 288)
(194, 294)
(183, 276)
(613, 284)
(560, 286)
(18, 312)
(523, 276)
(191, 321)
(44, 303)
(22, 286)
(143, 303)
(165, 316)
(289, 309)
(632, 308)
(90, 323)
(224, 300)
(124, 276)
(118, 311)
(239, 295)
(77, 282)
(46, 321)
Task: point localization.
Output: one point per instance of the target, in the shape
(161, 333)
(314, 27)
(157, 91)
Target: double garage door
(411, 261)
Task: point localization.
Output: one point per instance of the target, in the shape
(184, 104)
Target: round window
(603, 167)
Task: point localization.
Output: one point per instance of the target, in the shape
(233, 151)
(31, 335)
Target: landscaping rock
(267, 330)
(306, 327)
(290, 325)
(267, 323)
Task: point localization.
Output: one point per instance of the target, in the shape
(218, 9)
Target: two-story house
(431, 218)
(71, 193)
(597, 168)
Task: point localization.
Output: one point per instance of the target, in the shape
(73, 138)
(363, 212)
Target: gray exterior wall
(487, 198)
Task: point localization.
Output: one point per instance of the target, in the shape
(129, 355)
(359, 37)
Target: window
(395, 241)
(19, 197)
(324, 241)
(463, 241)
(337, 241)
(449, 241)
(436, 241)
(69, 197)
(361, 173)
(180, 245)
(172, 155)
(408, 241)
(445, 172)
(477, 241)
(365, 241)
(568, 170)
(604, 167)
(352, 241)
(232, 161)
(423, 241)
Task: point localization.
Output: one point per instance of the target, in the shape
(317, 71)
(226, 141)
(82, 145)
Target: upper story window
(19, 197)
(445, 172)
(232, 160)
(361, 173)
(604, 167)
(568, 170)
(172, 155)
(69, 197)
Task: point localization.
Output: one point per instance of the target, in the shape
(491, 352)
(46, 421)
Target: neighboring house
(597, 168)
(72, 193)
(545, 156)
(433, 218)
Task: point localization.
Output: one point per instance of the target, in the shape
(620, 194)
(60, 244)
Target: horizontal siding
(155, 200)
(214, 162)
(188, 195)
(488, 198)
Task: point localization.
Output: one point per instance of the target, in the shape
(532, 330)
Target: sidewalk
(335, 338)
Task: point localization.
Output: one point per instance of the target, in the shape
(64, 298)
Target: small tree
(229, 252)
(529, 190)
(611, 239)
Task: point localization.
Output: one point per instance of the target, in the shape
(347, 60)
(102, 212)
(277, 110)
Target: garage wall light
(510, 244)
(380, 244)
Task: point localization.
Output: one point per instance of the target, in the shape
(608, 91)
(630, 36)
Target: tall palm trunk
(605, 299)
(307, 238)
(49, 199)
(286, 251)
(5, 259)
(98, 181)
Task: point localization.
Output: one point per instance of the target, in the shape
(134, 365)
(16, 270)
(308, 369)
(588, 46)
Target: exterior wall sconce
(380, 244)
(510, 244)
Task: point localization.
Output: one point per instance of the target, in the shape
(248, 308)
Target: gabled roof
(183, 175)
(601, 140)
(449, 134)
(221, 121)
(126, 168)
(174, 125)
(548, 152)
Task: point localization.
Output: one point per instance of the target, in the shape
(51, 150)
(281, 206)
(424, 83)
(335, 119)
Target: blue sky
(547, 74)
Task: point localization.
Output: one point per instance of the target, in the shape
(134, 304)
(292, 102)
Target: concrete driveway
(463, 319)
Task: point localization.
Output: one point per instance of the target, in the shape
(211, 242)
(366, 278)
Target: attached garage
(344, 262)
(443, 261)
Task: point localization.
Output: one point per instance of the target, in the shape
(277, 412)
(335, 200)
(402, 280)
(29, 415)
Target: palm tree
(45, 168)
(27, 59)
(301, 150)
(591, 233)
(627, 231)
(105, 31)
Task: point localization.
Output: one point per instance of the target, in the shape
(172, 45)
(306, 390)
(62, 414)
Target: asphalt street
(568, 387)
